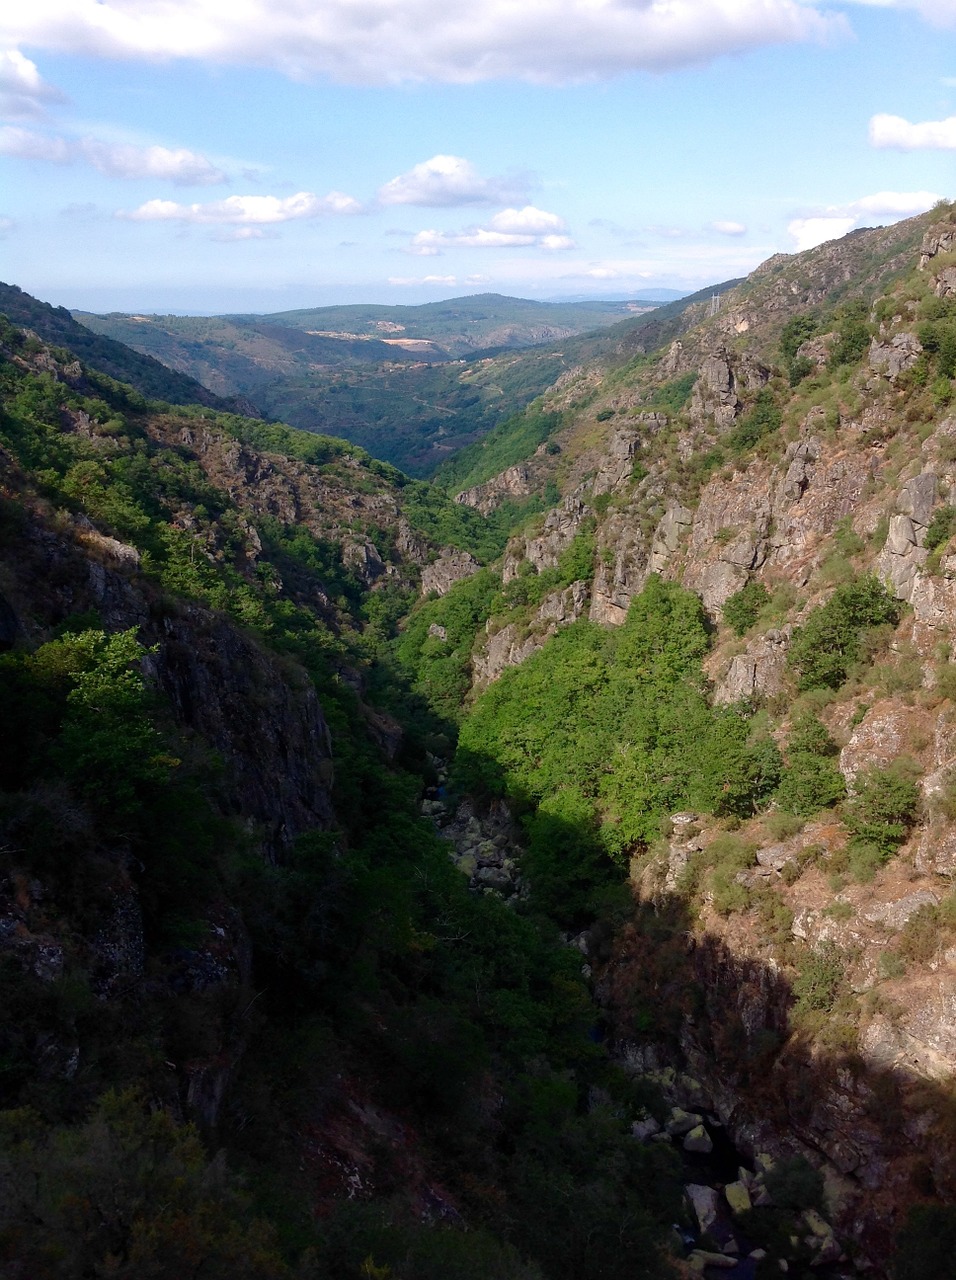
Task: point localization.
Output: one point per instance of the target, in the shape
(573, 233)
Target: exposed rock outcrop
(450, 567)
(511, 483)
(511, 645)
(759, 672)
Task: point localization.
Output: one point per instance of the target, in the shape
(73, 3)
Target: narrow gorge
(543, 871)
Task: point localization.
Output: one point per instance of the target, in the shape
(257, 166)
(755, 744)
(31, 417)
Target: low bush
(743, 608)
(795, 1184)
(811, 781)
(832, 639)
(821, 980)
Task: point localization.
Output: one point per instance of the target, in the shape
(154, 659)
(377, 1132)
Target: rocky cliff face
(264, 720)
(856, 475)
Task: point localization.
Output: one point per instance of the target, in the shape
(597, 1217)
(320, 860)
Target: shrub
(891, 965)
(811, 780)
(853, 338)
(941, 527)
(883, 809)
(830, 641)
(839, 910)
(763, 419)
(674, 395)
(781, 825)
(821, 980)
(922, 934)
(743, 607)
(795, 333)
(795, 1184)
(927, 1244)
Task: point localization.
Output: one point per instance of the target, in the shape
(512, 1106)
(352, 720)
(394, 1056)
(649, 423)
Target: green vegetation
(795, 1184)
(511, 442)
(880, 814)
(927, 1244)
(941, 527)
(616, 729)
(435, 646)
(821, 980)
(762, 420)
(673, 396)
(796, 331)
(362, 938)
(113, 359)
(329, 369)
(367, 1017)
(812, 780)
(852, 335)
(831, 640)
(743, 608)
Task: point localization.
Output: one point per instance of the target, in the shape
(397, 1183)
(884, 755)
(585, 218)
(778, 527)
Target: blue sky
(218, 155)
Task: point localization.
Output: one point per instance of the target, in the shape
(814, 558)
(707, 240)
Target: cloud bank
(253, 210)
(837, 220)
(510, 229)
(448, 181)
(390, 41)
(179, 166)
(930, 135)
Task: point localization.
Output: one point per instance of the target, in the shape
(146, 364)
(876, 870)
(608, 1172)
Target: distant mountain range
(411, 384)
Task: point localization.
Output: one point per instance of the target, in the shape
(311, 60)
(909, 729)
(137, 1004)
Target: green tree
(827, 645)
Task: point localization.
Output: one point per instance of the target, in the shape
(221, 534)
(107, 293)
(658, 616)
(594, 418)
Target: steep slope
(771, 497)
(584, 362)
(150, 376)
(219, 902)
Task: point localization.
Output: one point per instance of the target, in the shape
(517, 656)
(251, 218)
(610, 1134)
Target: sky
(208, 156)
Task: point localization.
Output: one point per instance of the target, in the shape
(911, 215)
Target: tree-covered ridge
(358, 936)
(115, 359)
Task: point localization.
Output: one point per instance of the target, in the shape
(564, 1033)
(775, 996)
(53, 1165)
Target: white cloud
(729, 228)
(898, 204)
(6, 226)
(668, 233)
(836, 220)
(245, 209)
(527, 221)
(389, 41)
(477, 238)
(232, 234)
(179, 166)
(115, 160)
(447, 181)
(416, 280)
(930, 135)
(23, 92)
(34, 146)
(510, 229)
(809, 232)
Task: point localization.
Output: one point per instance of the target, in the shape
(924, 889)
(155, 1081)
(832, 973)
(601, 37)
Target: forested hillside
(544, 875)
(410, 384)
